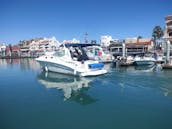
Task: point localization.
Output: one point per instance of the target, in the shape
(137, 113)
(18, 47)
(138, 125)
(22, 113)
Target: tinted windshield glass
(59, 53)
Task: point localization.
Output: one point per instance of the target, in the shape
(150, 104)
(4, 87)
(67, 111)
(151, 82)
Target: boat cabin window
(94, 51)
(59, 53)
(78, 53)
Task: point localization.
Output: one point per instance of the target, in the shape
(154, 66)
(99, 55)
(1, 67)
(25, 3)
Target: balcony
(169, 17)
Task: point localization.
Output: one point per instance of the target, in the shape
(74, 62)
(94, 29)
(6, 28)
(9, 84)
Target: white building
(105, 40)
(45, 44)
(131, 40)
(168, 39)
(71, 41)
(34, 46)
(54, 42)
(2, 50)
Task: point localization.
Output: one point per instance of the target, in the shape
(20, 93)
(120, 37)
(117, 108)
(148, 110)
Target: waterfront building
(12, 51)
(2, 50)
(15, 51)
(34, 49)
(105, 40)
(71, 41)
(8, 51)
(34, 46)
(53, 43)
(48, 44)
(113, 41)
(168, 39)
(168, 28)
(38, 46)
(115, 49)
(24, 47)
(133, 46)
(139, 45)
(131, 40)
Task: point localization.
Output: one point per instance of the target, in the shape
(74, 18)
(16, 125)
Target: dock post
(123, 50)
(167, 52)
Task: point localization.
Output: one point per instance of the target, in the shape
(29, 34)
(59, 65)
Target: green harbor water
(124, 98)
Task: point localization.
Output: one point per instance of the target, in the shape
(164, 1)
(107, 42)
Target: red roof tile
(7, 49)
(15, 48)
(139, 43)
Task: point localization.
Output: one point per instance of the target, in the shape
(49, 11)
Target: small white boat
(124, 61)
(76, 62)
(144, 60)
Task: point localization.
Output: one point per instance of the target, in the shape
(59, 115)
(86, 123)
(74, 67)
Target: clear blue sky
(67, 19)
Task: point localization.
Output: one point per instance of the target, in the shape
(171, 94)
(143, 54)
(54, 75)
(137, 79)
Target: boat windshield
(59, 53)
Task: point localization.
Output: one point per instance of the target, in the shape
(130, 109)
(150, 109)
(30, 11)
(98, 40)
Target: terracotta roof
(138, 44)
(15, 48)
(7, 49)
(45, 41)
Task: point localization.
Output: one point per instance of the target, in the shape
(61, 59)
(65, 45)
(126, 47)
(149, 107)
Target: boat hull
(54, 67)
(95, 73)
(144, 62)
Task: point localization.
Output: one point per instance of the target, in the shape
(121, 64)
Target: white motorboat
(71, 59)
(144, 60)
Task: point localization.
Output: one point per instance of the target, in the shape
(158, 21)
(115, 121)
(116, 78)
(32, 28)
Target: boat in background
(71, 59)
(144, 68)
(124, 61)
(143, 60)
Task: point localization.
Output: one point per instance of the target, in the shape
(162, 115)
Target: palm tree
(157, 34)
(139, 37)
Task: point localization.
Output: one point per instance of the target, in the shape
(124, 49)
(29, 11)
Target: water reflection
(146, 68)
(74, 88)
(24, 63)
(29, 64)
(151, 76)
(5, 62)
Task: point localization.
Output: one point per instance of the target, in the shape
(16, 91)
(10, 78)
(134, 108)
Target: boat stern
(93, 73)
(93, 68)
